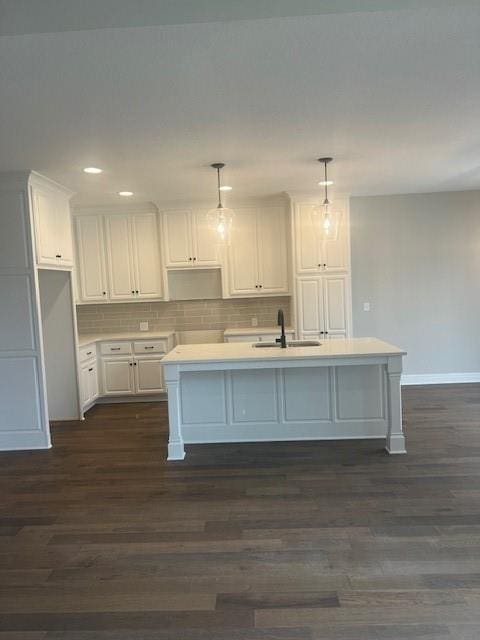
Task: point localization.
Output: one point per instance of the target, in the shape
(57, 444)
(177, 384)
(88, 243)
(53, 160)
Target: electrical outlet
(366, 306)
(254, 321)
(143, 326)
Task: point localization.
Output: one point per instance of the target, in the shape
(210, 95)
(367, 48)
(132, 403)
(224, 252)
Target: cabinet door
(335, 306)
(92, 382)
(91, 274)
(117, 376)
(178, 249)
(204, 241)
(84, 385)
(310, 307)
(272, 250)
(146, 256)
(45, 215)
(334, 250)
(148, 375)
(243, 268)
(308, 240)
(119, 257)
(64, 231)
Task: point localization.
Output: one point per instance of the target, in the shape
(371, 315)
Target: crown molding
(112, 209)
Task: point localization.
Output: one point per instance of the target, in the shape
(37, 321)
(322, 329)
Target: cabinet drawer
(150, 346)
(116, 348)
(87, 352)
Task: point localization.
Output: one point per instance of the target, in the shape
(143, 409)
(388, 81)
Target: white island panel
(307, 395)
(203, 398)
(254, 396)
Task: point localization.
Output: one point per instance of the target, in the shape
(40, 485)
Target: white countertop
(256, 331)
(89, 338)
(244, 351)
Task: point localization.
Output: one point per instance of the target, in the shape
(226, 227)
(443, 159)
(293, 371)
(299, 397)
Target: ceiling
(392, 94)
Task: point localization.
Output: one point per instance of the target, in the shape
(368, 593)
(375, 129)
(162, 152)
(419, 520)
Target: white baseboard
(440, 378)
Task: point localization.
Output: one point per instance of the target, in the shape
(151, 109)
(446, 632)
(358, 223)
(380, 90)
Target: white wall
(416, 259)
(59, 344)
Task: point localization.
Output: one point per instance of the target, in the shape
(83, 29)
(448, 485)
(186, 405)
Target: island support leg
(176, 448)
(395, 437)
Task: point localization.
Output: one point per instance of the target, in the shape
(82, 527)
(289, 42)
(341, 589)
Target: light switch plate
(254, 321)
(143, 326)
(366, 306)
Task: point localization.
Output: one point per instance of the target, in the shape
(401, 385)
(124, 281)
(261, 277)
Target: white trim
(440, 378)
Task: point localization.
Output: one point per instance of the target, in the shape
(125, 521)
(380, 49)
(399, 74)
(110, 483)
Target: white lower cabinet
(148, 375)
(117, 376)
(123, 376)
(89, 383)
(127, 368)
(323, 307)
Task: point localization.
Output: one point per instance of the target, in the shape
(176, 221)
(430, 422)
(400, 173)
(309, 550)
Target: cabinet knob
(190, 259)
(134, 364)
(136, 290)
(260, 286)
(325, 265)
(322, 332)
(104, 293)
(326, 333)
(91, 369)
(130, 364)
(58, 255)
(133, 292)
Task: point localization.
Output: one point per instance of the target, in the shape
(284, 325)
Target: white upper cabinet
(258, 253)
(204, 240)
(272, 250)
(323, 307)
(146, 257)
(53, 226)
(188, 240)
(177, 240)
(91, 272)
(243, 254)
(315, 251)
(118, 257)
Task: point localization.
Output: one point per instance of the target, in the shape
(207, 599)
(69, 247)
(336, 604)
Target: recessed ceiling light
(325, 183)
(125, 194)
(225, 187)
(93, 170)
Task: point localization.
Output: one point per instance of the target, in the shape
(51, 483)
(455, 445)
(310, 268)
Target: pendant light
(220, 219)
(325, 220)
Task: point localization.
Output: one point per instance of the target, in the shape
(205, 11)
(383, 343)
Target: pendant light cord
(220, 206)
(326, 185)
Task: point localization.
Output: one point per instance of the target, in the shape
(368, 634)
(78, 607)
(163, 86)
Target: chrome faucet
(281, 323)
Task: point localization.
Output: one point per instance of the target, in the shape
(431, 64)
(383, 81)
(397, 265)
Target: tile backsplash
(182, 316)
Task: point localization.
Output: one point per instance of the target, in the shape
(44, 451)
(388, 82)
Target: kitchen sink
(292, 343)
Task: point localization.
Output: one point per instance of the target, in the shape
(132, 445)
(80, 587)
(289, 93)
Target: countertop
(89, 338)
(244, 351)
(256, 331)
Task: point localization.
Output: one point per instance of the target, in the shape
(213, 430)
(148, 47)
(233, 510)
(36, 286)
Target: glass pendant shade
(220, 219)
(326, 221)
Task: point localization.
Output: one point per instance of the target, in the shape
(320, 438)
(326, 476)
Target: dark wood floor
(101, 538)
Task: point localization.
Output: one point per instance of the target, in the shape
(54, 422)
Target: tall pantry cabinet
(322, 281)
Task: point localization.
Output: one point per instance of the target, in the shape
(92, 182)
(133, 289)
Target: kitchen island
(341, 389)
